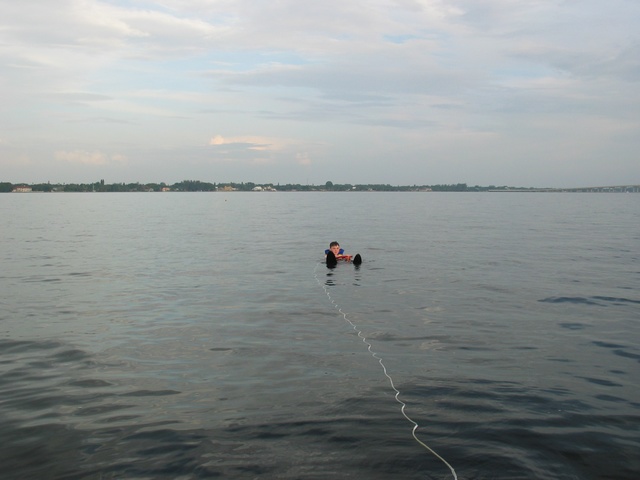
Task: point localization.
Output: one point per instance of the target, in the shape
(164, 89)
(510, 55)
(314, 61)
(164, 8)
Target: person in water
(338, 252)
(335, 253)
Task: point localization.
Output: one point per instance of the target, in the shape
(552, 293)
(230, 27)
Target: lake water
(188, 336)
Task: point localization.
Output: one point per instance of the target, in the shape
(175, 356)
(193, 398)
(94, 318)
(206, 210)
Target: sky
(531, 93)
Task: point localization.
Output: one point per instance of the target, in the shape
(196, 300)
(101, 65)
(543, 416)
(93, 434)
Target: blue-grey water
(189, 336)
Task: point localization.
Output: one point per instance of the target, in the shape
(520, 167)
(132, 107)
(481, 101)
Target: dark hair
(334, 244)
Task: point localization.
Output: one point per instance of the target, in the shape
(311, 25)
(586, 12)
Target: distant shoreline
(198, 186)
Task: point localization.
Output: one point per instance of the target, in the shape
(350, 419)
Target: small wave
(617, 349)
(622, 353)
(599, 343)
(38, 279)
(575, 300)
(390, 337)
(601, 381)
(573, 326)
(610, 398)
(71, 355)
(616, 300)
(151, 393)
(79, 274)
(99, 410)
(19, 346)
(91, 383)
(598, 300)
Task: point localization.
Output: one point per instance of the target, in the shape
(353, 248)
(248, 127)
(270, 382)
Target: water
(187, 336)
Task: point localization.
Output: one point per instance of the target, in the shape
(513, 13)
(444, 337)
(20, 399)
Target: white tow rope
(384, 369)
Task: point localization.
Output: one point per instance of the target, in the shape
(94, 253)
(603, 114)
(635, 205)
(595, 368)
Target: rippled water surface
(162, 336)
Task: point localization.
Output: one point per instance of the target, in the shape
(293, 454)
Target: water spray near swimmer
(335, 254)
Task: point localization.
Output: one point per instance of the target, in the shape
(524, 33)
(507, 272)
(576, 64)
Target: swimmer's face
(335, 249)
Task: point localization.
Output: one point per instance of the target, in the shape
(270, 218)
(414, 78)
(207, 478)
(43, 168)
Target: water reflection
(330, 282)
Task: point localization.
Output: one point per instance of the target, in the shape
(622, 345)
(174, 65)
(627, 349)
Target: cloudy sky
(484, 92)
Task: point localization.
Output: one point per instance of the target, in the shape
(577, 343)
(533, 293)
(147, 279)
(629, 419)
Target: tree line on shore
(199, 186)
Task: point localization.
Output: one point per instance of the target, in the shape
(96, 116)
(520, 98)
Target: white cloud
(90, 158)
(216, 140)
(318, 80)
(250, 142)
(302, 158)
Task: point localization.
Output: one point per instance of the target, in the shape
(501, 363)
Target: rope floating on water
(403, 405)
